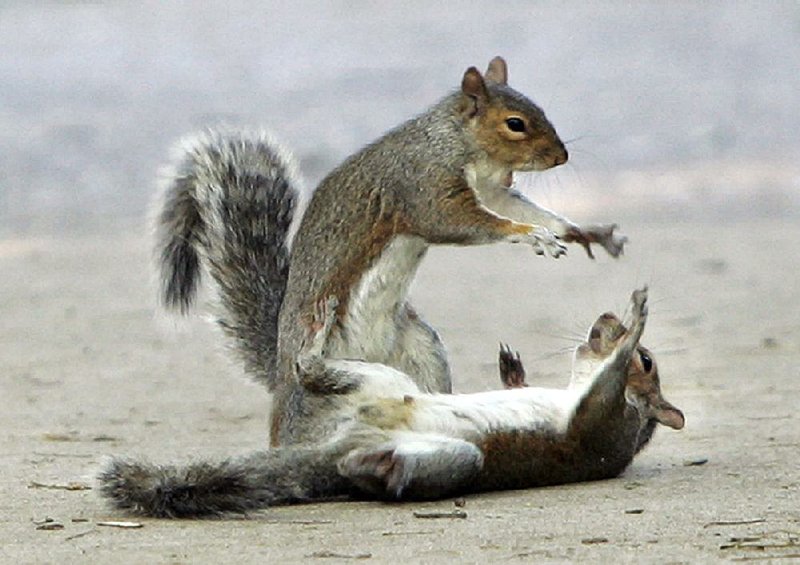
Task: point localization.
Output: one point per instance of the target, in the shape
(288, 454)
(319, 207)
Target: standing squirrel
(395, 441)
(443, 177)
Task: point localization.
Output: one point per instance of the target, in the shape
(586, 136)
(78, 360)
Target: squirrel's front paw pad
(544, 240)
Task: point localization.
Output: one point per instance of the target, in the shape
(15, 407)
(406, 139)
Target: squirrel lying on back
(443, 177)
(394, 441)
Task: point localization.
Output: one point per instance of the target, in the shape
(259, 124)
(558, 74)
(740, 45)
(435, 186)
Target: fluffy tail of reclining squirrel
(443, 177)
(394, 441)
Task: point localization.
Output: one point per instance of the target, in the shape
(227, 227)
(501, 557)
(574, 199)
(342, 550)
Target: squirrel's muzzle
(561, 157)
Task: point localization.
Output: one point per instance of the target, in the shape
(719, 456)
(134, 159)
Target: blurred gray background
(672, 110)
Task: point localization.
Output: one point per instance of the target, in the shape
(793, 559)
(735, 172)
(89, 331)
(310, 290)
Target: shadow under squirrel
(394, 441)
(443, 177)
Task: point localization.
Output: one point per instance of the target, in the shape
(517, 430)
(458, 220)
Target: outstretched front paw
(602, 235)
(512, 373)
(638, 312)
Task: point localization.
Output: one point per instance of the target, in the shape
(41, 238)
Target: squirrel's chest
(371, 322)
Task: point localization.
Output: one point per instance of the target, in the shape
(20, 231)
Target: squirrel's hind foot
(512, 372)
(417, 467)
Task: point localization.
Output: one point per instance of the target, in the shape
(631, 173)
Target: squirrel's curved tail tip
(226, 210)
(179, 229)
(131, 486)
(225, 195)
(138, 488)
(181, 273)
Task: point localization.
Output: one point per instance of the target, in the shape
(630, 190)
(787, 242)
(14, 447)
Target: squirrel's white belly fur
(374, 303)
(465, 415)
(391, 397)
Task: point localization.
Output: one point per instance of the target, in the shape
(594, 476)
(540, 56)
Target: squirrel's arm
(512, 204)
(458, 216)
(607, 390)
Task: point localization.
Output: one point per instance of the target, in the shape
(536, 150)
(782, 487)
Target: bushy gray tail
(276, 477)
(228, 207)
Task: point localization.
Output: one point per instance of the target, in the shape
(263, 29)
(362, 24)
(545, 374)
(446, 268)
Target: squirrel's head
(508, 127)
(643, 390)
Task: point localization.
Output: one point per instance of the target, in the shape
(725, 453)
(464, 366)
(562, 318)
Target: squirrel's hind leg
(512, 372)
(413, 466)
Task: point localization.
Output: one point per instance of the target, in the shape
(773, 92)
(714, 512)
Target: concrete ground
(90, 370)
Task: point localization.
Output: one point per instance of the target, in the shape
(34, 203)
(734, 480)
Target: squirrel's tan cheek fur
(502, 145)
(644, 389)
(536, 148)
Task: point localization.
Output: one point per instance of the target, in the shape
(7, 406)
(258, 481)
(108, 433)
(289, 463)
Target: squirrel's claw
(545, 241)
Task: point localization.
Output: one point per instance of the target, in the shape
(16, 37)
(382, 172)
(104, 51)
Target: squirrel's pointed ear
(666, 414)
(497, 72)
(475, 93)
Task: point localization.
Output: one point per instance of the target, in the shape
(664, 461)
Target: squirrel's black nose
(561, 157)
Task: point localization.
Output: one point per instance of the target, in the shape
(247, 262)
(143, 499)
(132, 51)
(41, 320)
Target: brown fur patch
(462, 218)
(533, 458)
(516, 459)
(367, 250)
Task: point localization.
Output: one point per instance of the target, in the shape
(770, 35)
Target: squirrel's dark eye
(647, 363)
(515, 124)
